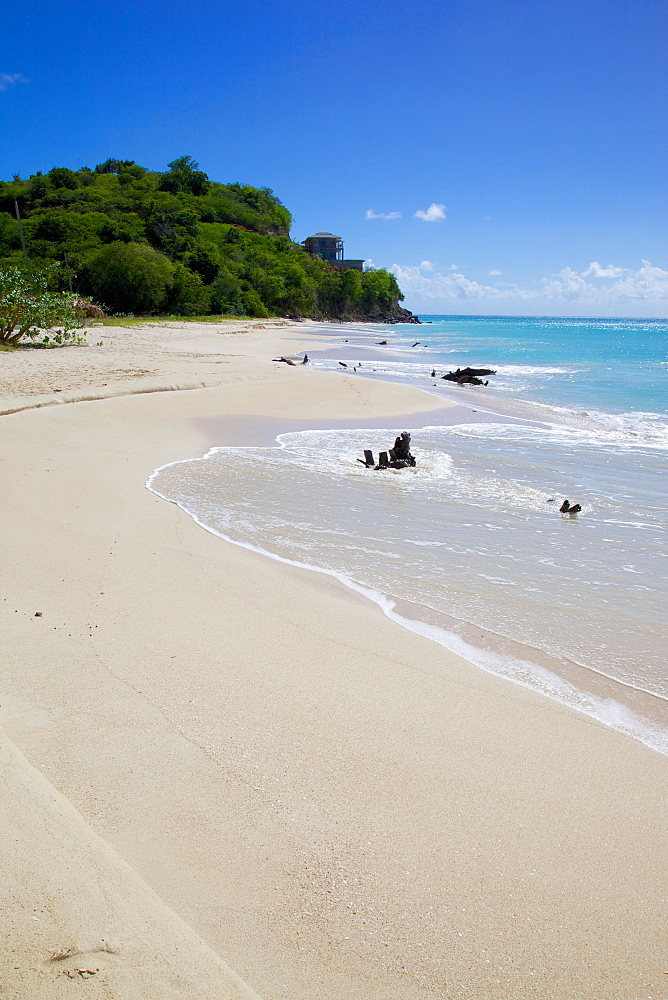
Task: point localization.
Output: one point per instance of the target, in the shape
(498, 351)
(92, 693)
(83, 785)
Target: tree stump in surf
(398, 457)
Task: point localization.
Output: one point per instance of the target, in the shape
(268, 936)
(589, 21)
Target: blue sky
(528, 136)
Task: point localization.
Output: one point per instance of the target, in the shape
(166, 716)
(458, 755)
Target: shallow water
(473, 535)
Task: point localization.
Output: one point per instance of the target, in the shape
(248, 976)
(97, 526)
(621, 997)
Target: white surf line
(610, 713)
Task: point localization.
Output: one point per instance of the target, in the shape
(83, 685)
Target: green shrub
(187, 296)
(28, 308)
(62, 177)
(128, 278)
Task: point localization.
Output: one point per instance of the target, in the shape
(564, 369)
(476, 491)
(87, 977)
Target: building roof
(329, 236)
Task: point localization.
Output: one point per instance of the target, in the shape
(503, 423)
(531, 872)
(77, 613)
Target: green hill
(143, 242)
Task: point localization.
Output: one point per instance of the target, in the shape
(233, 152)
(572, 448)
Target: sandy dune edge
(123, 361)
(69, 903)
(339, 808)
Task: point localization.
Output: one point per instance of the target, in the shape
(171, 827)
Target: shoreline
(254, 741)
(638, 713)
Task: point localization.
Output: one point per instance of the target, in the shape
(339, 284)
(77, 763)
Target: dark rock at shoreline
(471, 375)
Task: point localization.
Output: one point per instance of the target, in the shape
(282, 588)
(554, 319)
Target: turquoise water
(615, 368)
(609, 364)
(469, 548)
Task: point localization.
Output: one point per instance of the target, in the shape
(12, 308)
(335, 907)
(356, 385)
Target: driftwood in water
(566, 508)
(398, 457)
(470, 376)
(290, 361)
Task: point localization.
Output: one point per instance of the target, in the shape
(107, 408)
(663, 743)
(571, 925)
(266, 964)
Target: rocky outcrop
(396, 314)
(399, 315)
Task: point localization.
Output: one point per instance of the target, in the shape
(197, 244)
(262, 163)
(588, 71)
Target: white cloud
(568, 284)
(596, 271)
(648, 282)
(439, 285)
(427, 265)
(370, 214)
(7, 80)
(494, 273)
(645, 289)
(453, 267)
(435, 213)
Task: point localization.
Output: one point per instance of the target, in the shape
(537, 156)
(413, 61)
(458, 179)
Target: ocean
(469, 547)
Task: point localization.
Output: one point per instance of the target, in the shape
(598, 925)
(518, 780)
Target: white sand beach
(224, 776)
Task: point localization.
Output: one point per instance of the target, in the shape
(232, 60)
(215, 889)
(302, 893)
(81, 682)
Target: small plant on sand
(28, 310)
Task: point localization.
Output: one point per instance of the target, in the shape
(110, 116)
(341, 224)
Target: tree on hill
(184, 175)
(63, 177)
(112, 166)
(143, 241)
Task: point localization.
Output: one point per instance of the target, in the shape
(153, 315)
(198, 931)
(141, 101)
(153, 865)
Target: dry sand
(260, 771)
